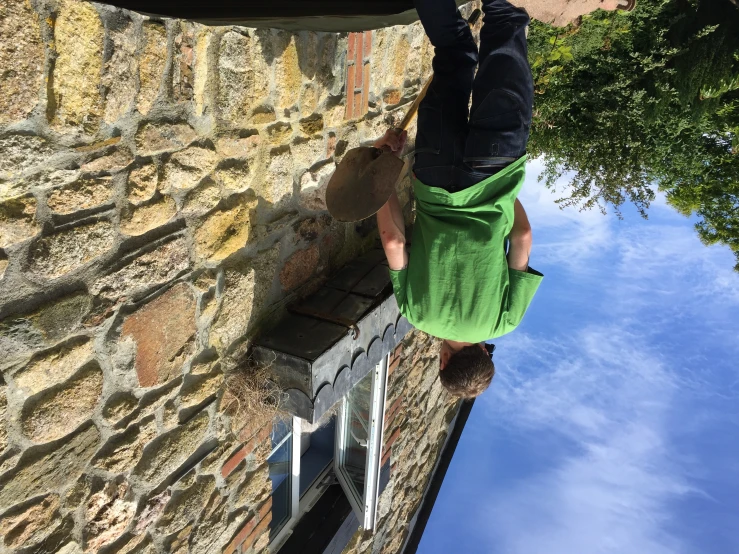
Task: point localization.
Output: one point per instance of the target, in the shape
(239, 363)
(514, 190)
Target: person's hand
(395, 142)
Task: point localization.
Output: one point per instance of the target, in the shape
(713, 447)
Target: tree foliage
(626, 103)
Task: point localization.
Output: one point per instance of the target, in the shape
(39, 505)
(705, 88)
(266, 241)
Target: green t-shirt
(457, 284)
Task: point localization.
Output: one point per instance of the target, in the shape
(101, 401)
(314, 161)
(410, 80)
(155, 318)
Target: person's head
(465, 369)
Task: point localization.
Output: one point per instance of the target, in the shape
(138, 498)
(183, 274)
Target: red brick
(241, 536)
(398, 350)
(392, 438)
(233, 461)
(386, 456)
(266, 508)
(359, 58)
(393, 410)
(358, 75)
(394, 363)
(350, 91)
(367, 44)
(365, 91)
(357, 105)
(351, 46)
(257, 532)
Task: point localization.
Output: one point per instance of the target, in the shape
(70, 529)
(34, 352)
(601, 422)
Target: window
(303, 457)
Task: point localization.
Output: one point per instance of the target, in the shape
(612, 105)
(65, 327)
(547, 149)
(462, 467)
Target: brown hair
(468, 372)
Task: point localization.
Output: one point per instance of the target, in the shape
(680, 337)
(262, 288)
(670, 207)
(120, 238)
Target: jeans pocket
(497, 129)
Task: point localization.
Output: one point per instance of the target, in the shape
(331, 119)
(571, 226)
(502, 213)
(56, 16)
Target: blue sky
(612, 424)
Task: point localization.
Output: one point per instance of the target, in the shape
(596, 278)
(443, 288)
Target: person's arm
(519, 249)
(390, 217)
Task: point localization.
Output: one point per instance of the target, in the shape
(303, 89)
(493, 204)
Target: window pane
(280, 473)
(356, 434)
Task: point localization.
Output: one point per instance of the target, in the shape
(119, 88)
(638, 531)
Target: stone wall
(417, 418)
(161, 193)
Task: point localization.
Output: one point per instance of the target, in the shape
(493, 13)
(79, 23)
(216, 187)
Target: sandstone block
(36, 475)
(145, 272)
(169, 452)
(141, 219)
(50, 368)
(107, 515)
(164, 332)
(288, 77)
(123, 451)
(119, 74)
(186, 168)
(255, 487)
(263, 115)
(391, 97)
(20, 153)
(299, 267)
(313, 187)
(79, 42)
(22, 60)
(279, 133)
(308, 151)
(312, 124)
(202, 198)
(308, 100)
(185, 505)
(278, 180)
(3, 410)
(17, 220)
(242, 74)
(234, 178)
(241, 147)
(65, 251)
(120, 406)
(197, 390)
(60, 410)
(142, 183)
(70, 548)
(3, 265)
(154, 138)
(182, 66)
(202, 70)
(151, 65)
(245, 291)
(31, 525)
(81, 195)
(114, 161)
(224, 231)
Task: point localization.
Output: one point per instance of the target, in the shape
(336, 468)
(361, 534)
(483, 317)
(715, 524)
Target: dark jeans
(453, 149)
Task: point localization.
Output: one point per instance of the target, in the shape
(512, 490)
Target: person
(458, 283)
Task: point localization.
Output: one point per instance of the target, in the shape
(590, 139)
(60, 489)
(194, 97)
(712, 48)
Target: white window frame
(366, 508)
(287, 527)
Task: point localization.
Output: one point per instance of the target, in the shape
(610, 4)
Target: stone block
(186, 168)
(22, 60)
(78, 35)
(141, 219)
(167, 453)
(234, 177)
(243, 76)
(202, 198)
(111, 162)
(312, 124)
(246, 287)
(63, 408)
(299, 267)
(151, 65)
(17, 220)
(29, 526)
(313, 187)
(163, 332)
(308, 100)
(119, 406)
(21, 153)
(145, 272)
(308, 151)
(81, 195)
(3, 411)
(224, 231)
(202, 71)
(55, 255)
(121, 452)
(107, 514)
(197, 390)
(279, 133)
(182, 64)
(186, 505)
(50, 368)
(70, 548)
(119, 73)
(155, 138)
(238, 147)
(278, 179)
(142, 183)
(288, 77)
(38, 474)
(3, 264)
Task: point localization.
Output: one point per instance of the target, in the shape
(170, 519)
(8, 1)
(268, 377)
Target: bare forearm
(519, 249)
(392, 232)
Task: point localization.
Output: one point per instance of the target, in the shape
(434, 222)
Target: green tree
(626, 103)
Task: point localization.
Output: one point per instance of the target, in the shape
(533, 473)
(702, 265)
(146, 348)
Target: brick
(358, 105)
(351, 46)
(233, 461)
(241, 535)
(358, 74)
(254, 441)
(386, 456)
(257, 532)
(367, 44)
(393, 366)
(393, 411)
(359, 56)
(365, 91)
(349, 91)
(392, 438)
